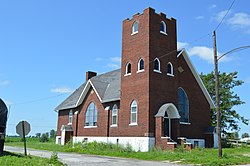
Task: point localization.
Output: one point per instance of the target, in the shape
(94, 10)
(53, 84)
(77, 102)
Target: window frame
(134, 30)
(126, 70)
(184, 104)
(139, 65)
(171, 73)
(164, 28)
(92, 116)
(70, 117)
(132, 112)
(115, 108)
(159, 66)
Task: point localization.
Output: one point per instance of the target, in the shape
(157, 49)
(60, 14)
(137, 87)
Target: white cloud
(199, 17)
(98, 59)
(61, 90)
(240, 20)
(207, 54)
(212, 6)
(203, 52)
(218, 17)
(4, 82)
(235, 20)
(181, 45)
(115, 62)
(116, 59)
(113, 65)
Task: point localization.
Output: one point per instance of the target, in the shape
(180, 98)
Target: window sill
(114, 125)
(185, 123)
(133, 124)
(139, 71)
(164, 33)
(171, 75)
(157, 71)
(134, 33)
(127, 74)
(69, 124)
(86, 127)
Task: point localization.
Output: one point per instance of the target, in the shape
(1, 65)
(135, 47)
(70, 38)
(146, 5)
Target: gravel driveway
(74, 159)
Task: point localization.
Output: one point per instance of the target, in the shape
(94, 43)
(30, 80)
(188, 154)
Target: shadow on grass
(5, 153)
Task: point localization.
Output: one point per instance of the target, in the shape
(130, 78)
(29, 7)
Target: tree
(245, 135)
(52, 133)
(38, 135)
(227, 99)
(233, 135)
(44, 137)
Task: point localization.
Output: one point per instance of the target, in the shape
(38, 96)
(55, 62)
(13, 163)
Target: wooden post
(24, 139)
(216, 74)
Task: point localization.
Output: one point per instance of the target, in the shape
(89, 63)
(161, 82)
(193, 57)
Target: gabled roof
(107, 87)
(196, 75)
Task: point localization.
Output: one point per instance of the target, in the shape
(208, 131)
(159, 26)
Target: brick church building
(156, 99)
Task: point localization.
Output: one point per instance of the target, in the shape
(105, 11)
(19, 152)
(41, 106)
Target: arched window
(170, 69)
(128, 69)
(157, 65)
(163, 28)
(135, 28)
(91, 115)
(183, 105)
(70, 117)
(114, 115)
(141, 65)
(133, 112)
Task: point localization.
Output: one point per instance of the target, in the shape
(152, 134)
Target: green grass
(231, 156)
(12, 159)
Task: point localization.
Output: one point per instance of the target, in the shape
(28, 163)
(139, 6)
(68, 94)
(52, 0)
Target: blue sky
(47, 46)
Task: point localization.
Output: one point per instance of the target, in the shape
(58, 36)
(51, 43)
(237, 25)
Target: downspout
(108, 123)
(76, 113)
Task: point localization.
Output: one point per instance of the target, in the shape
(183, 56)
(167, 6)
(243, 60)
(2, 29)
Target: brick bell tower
(149, 43)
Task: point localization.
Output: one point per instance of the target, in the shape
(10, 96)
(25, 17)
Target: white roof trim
(87, 86)
(95, 91)
(197, 77)
(85, 91)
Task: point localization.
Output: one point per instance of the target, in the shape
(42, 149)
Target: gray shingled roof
(107, 86)
(71, 101)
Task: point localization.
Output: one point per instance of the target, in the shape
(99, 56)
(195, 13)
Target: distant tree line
(45, 137)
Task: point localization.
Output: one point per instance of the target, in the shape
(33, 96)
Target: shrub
(44, 138)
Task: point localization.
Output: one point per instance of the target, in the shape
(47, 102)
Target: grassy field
(12, 159)
(231, 156)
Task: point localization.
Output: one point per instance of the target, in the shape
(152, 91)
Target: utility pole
(216, 74)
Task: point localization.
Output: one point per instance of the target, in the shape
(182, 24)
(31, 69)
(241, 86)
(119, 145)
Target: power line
(225, 15)
(38, 100)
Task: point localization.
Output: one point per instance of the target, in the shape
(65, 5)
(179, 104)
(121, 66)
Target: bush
(44, 138)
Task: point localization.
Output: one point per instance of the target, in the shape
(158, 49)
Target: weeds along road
(74, 159)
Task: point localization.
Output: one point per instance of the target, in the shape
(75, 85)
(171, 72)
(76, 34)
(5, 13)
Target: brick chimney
(90, 74)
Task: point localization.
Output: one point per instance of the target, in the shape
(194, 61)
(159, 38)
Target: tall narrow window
(183, 105)
(91, 115)
(135, 28)
(70, 117)
(134, 110)
(170, 69)
(157, 65)
(128, 69)
(114, 115)
(163, 28)
(141, 65)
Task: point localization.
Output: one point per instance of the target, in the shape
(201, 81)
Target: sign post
(23, 129)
